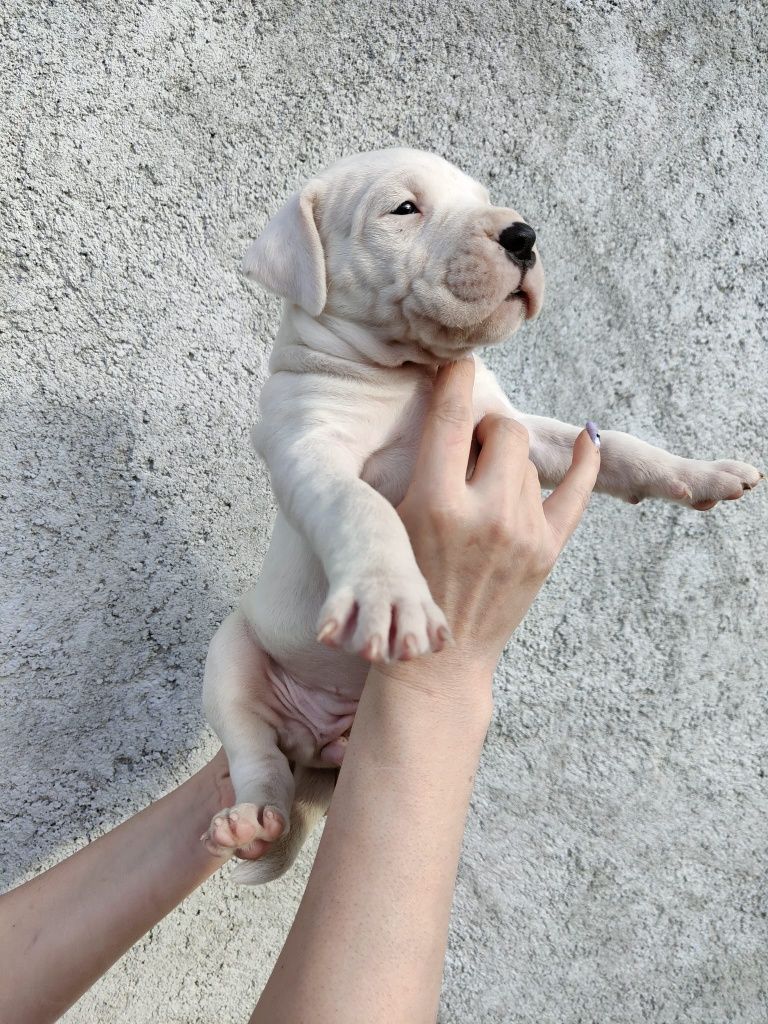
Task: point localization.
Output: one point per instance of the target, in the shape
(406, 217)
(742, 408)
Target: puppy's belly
(310, 718)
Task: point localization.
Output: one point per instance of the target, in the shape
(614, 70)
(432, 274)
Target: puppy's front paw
(702, 484)
(244, 827)
(746, 475)
(383, 617)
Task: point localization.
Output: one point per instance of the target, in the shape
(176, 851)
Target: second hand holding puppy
(448, 522)
(368, 943)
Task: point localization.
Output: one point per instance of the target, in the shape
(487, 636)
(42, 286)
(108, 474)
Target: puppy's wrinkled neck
(333, 344)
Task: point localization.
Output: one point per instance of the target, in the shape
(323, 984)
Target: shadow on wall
(106, 617)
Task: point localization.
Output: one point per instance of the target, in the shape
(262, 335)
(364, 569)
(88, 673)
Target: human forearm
(369, 939)
(62, 930)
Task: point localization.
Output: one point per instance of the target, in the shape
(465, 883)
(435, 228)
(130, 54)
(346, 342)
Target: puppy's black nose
(518, 240)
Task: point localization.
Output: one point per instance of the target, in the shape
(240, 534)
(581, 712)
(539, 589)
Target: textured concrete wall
(614, 866)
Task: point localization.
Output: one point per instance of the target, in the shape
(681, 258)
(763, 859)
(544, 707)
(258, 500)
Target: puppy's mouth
(528, 293)
(524, 297)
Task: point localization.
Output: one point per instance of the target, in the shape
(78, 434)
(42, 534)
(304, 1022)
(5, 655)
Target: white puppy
(389, 263)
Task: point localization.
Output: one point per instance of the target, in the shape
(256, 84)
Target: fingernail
(593, 433)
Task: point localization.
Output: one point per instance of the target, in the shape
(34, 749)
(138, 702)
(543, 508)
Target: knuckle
(581, 496)
(545, 560)
(520, 539)
(438, 518)
(499, 530)
(528, 548)
(442, 517)
(533, 554)
(538, 566)
(453, 412)
(513, 428)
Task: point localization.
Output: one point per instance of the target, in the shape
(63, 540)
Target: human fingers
(565, 506)
(447, 435)
(503, 457)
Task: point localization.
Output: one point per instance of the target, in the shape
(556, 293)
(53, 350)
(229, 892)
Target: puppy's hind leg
(235, 680)
(314, 789)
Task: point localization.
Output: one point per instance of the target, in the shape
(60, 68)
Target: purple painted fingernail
(593, 433)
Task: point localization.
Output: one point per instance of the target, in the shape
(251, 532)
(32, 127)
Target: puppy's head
(403, 242)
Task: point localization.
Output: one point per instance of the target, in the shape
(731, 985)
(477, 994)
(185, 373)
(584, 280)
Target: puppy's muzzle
(518, 240)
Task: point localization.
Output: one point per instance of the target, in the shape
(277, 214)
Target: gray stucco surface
(614, 868)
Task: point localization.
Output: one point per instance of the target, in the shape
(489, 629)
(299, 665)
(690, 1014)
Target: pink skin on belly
(314, 723)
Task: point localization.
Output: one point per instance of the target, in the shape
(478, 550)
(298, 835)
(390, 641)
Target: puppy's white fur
(374, 302)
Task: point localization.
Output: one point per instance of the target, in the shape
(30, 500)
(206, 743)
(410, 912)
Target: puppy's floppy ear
(287, 257)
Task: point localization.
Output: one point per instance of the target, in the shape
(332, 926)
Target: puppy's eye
(405, 208)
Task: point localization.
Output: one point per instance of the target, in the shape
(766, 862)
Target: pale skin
(368, 942)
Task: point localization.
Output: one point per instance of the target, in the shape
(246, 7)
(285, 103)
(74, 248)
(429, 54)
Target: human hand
(485, 545)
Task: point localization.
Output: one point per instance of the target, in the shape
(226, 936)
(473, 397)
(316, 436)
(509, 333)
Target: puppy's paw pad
(238, 827)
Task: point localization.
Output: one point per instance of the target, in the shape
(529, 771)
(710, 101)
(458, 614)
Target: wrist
(449, 681)
(213, 785)
(421, 735)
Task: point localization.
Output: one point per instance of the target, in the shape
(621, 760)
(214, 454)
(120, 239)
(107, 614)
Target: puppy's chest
(389, 469)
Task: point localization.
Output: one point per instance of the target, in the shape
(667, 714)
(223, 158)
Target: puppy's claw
(372, 650)
(684, 492)
(274, 824)
(410, 647)
(328, 629)
(372, 618)
(445, 635)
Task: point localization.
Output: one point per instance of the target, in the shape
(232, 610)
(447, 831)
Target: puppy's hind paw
(244, 827)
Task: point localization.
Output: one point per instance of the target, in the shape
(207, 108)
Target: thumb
(565, 506)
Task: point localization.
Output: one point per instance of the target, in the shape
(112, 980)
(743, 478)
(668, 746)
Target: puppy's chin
(447, 343)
